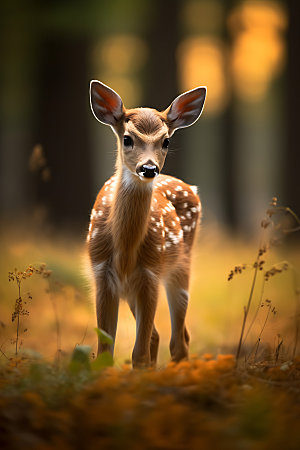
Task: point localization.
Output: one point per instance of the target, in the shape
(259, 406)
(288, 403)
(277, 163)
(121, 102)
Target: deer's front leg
(144, 293)
(178, 297)
(107, 305)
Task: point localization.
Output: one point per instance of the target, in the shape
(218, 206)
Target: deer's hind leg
(177, 286)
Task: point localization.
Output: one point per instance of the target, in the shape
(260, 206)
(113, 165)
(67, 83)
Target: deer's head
(143, 133)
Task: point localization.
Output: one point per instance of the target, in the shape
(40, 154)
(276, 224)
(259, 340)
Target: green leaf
(103, 360)
(104, 337)
(80, 358)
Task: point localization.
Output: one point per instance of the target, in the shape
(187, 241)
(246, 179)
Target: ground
(50, 398)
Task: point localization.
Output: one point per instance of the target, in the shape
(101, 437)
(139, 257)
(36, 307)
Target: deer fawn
(143, 224)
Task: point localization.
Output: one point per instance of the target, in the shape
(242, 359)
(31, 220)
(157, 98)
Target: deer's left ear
(186, 108)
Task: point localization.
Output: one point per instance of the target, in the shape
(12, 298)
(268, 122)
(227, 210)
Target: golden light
(201, 61)
(117, 60)
(259, 49)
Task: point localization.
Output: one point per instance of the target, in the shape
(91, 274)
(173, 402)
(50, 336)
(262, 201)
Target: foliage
(272, 233)
(197, 404)
(83, 401)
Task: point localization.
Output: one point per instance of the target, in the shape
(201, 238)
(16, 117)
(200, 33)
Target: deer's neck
(129, 219)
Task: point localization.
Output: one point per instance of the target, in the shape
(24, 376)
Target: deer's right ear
(106, 104)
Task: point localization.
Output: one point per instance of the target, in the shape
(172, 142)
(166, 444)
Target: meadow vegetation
(240, 388)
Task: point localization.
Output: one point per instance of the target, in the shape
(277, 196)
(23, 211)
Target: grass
(54, 392)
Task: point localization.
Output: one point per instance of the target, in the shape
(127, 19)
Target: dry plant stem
(297, 312)
(265, 322)
(260, 335)
(256, 312)
(294, 215)
(256, 350)
(18, 318)
(246, 311)
(57, 327)
(278, 350)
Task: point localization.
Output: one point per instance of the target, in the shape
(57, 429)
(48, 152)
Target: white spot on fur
(168, 192)
(189, 214)
(173, 223)
(194, 189)
(185, 205)
(153, 219)
(187, 228)
(185, 193)
(193, 209)
(194, 224)
(178, 188)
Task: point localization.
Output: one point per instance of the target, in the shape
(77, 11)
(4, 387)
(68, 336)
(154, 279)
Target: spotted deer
(143, 224)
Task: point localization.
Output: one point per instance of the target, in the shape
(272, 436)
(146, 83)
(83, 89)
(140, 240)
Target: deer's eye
(166, 143)
(128, 142)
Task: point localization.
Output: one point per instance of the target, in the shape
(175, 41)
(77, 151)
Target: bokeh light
(259, 50)
(117, 60)
(201, 61)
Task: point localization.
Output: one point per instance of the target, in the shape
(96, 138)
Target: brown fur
(142, 230)
(146, 120)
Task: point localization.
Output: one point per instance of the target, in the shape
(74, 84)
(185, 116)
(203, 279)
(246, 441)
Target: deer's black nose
(148, 170)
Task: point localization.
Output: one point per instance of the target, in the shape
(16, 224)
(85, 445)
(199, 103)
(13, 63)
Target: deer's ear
(186, 108)
(106, 104)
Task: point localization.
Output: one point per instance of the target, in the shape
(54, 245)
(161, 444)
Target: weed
(21, 303)
(277, 230)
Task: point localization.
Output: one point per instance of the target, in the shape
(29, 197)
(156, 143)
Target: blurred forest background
(54, 156)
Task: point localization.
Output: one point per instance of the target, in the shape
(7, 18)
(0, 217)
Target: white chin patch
(145, 179)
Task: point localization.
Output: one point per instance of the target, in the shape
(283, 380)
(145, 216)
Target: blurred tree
(161, 75)
(62, 126)
(292, 179)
